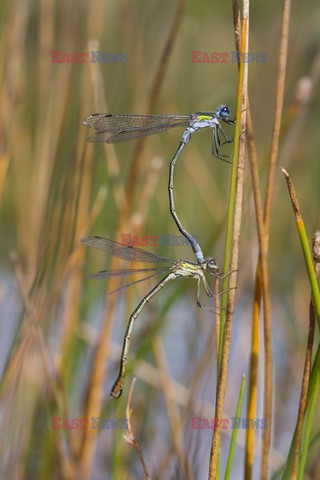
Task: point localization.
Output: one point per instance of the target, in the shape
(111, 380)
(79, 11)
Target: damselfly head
(209, 265)
(223, 112)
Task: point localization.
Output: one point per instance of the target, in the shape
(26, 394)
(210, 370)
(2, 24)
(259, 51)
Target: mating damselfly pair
(171, 270)
(114, 128)
(121, 127)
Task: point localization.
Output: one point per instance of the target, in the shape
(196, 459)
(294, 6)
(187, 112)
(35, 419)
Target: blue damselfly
(113, 128)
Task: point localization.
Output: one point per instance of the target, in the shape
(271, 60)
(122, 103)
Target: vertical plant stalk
(98, 371)
(305, 247)
(259, 280)
(217, 316)
(255, 335)
(232, 201)
(129, 437)
(267, 216)
(303, 395)
(262, 286)
(235, 430)
(296, 111)
(314, 383)
(232, 242)
(310, 385)
(262, 274)
(278, 113)
(253, 379)
(292, 125)
(309, 423)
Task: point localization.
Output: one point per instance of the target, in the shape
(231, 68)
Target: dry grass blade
(296, 460)
(267, 216)
(238, 165)
(129, 437)
(303, 394)
(262, 279)
(262, 282)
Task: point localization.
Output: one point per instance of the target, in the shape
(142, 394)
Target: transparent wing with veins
(126, 252)
(121, 127)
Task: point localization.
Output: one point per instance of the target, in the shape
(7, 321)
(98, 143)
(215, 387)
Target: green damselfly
(171, 270)
(121, 127)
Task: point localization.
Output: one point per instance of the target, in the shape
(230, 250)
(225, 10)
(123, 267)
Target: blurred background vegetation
(60, 332)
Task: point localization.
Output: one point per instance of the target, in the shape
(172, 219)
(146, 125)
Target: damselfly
(171, 271)
(118, 128)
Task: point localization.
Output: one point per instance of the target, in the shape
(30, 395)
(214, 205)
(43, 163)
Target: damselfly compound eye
(211, 265)
(224, 112)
